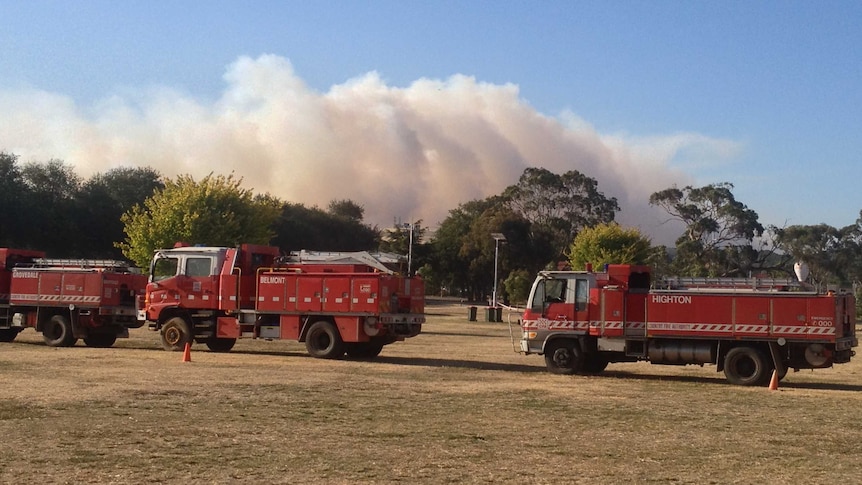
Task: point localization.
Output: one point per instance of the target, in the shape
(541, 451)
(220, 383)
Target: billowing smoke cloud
(402, 153)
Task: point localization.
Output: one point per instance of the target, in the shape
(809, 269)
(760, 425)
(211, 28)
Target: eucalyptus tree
(718, 229)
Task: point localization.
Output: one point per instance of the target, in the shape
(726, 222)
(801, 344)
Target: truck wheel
(58, 332)
(176, 334)
(8, 334)
(220, 344)
(594, 364)
(364, 350)
(100, 340)
(563, 357)
(747, 366)
(324, 341)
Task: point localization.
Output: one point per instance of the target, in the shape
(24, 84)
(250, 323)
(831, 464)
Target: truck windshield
(165, 268)
(548, 291)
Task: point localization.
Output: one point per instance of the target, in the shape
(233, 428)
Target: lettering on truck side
(677, 299)
(25, 274)
(822, 322)
(272, 280)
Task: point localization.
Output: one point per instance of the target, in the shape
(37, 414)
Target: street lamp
(497, 238)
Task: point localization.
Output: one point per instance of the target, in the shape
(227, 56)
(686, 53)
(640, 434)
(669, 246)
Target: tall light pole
(497, 238)
(409, 247)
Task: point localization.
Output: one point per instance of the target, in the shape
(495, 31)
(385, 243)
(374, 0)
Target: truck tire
(8, 334)
(220, 344)
(176, 334)
(57, 332)
(747, 366)
(563, 356)
(100, 340)
(323, 341)
(363, 350)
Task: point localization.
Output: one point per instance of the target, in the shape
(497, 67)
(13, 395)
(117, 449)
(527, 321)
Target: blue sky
(777, 82)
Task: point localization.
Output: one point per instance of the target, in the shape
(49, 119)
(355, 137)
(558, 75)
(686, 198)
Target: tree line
(549, 221)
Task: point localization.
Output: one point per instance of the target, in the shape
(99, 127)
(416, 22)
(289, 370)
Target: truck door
(196, 284)
(336, 294)
(581, 303)
(564, 302)
(612, 313)
(228, 285)
(309, 293)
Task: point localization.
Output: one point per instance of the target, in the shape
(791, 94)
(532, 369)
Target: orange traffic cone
(773, 384)
(187, 353)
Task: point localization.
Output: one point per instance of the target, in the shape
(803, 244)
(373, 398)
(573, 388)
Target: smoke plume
(403, 153)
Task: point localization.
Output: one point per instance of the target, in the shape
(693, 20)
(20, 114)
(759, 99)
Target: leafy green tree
(50, 207)
(850, 256)
(463, 249)
(102, 201)
(397, 239)
(517, 286)
(214, 211)
(609, 244)
(299, 227)
(126, 186)
(831, 254)
(450, 253)
(562, 204)
(12, 198)
(347, 209)
(407, 239)
(432, 280)
(479, 249)
(714, 221)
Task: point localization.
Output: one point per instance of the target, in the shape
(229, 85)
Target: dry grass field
(453, 405)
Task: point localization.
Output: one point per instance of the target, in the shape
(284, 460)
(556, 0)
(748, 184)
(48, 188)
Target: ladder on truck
(380, 261)
(727, 284)
(86, 264)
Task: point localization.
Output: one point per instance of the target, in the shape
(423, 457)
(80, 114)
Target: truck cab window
(582, 294)
(555, 291)
(198, 267)
(548, 291)
(165, 268)
(538, 302)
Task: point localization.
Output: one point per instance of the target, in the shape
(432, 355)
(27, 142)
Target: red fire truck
(747, 327)
(67, 299)
(215, 295)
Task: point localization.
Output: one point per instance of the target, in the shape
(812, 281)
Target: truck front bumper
(531, 346)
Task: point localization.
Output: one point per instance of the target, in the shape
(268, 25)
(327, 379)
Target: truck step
(636, 348)
(247, 317)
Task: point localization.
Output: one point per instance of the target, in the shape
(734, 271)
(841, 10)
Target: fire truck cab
(582, 320)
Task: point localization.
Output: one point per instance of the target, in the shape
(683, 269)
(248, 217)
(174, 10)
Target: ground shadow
(458, 364)
(720, 380)
(465, 334)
